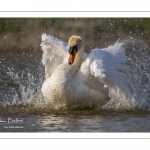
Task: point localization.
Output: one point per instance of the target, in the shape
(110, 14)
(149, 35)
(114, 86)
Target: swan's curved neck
(77, 62)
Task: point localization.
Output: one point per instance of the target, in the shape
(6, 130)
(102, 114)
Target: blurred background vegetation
(17, 34)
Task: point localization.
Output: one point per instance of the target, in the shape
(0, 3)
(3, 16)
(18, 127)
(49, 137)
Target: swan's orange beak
(71, 58)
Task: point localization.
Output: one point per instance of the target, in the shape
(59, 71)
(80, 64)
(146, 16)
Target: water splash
(24, 89)
(138, 79)
(139, 61)
(26, 93)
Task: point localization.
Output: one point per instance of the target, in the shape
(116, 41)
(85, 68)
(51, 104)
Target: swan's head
(74, 43)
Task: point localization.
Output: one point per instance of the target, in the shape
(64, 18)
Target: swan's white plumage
(90, 85)
(54, 53)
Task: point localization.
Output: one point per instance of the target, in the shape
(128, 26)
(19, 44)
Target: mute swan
(75, 79)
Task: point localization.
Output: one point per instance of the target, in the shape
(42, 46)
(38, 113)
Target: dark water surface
(107, 122)
(22, 108)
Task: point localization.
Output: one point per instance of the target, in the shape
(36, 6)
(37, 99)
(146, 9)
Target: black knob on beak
(72, 48)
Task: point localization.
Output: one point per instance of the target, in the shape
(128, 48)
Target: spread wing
(106, 67)
(54, 53)
(109, 65)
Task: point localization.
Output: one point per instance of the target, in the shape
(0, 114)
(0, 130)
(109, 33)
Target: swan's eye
(72, 48)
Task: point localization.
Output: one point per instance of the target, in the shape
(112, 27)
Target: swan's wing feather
(54, 53)
(107, 65)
